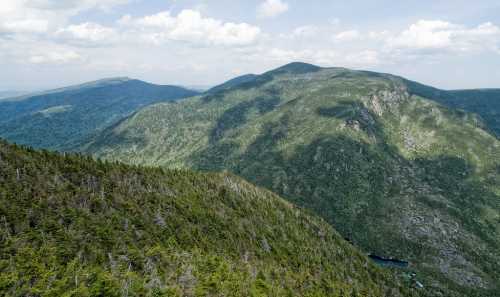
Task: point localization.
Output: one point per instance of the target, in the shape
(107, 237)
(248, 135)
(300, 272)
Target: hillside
(232, 83)
(71, 226)
(400, 175)
(65, 118)
(483, 102)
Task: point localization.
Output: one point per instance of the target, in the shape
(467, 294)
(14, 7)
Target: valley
(401, 175)
(402, 170)
(265, 148)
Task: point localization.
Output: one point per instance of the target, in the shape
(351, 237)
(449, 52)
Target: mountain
(72, 226)
(232, 83)
(484, 102)
(399, 174)
(10, 94)
(198, 88)
(63, 119)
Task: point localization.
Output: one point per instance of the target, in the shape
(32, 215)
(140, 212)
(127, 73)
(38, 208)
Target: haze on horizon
(452, 44)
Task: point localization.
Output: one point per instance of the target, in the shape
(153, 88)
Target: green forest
(72, 226)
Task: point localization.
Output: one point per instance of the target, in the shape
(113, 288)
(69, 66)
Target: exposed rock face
(385, 100)
(409, 142)
(395, 172)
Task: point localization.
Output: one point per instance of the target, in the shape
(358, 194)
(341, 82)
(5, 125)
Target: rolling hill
(72, 226)
(65, 118)
(398, 172)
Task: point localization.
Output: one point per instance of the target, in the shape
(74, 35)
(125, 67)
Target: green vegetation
(233, 82)
(397, 173)
(483, 102)
(63, 119)
(72, 226)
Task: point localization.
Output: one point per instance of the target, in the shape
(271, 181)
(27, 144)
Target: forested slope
(72, 226)
(400, 174)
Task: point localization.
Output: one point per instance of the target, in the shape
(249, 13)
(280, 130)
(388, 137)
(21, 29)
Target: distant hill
(485, 102)
(71, 226)
(10, 94)
(392, 166)
(63, 119)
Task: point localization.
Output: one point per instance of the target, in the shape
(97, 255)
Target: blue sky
(52, 43)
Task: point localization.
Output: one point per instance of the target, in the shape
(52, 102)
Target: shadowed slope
(400, 175)
(483, 102)
(63, 119)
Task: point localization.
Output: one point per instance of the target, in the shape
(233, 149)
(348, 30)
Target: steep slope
(484, 102)
(400, 175)
(63, 119)
(71, 226)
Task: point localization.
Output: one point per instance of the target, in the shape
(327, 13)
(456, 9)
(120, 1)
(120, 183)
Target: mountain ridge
(399, 174)
(64, 118)
(232, 82)
(91, 84)
(483, 102)
(74, 226)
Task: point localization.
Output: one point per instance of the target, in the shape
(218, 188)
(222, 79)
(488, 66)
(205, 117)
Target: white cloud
(302, 32)
(285, 55)
(16, 17)
(427, 41)
(56, 57)
(24, 26)
(363, 58)
(190, 26)
(379, 35)
(324, 56)
(349, 35)
(271, 8)
(438, 36)
(305, 31)
(71, 4)
(40, 16)
(425, 35)
(38, 33)
(87, 34)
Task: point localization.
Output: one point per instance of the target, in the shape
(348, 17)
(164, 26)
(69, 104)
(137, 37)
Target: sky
(451, 44)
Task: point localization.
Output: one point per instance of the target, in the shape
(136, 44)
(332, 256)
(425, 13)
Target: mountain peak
(347, 145)
(105, 82)
(297, 68)
(114, 79)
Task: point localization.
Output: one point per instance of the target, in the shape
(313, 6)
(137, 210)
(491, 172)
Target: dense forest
(64, 119)
(398, 172)
(72, 226)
